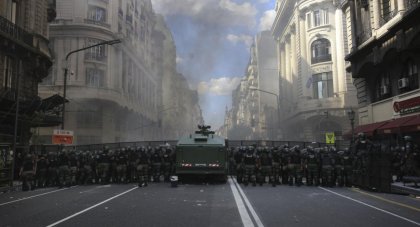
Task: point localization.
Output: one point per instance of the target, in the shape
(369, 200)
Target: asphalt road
(206, 205)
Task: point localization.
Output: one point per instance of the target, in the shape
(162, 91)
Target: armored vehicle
(202, 154)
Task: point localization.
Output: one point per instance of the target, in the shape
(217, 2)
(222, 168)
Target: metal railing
(38, 149)
(364, 36)
(15, 32)
(98, 23)
(409, 4)
(95, 57)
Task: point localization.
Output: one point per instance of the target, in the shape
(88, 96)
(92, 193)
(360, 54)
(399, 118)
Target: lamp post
(277, 99)
(351, 115)
(110, 42)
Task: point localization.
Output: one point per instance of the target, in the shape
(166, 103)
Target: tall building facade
(114, 92)
(315, 90)
(24, 61)
(254, 113)
(383, 39)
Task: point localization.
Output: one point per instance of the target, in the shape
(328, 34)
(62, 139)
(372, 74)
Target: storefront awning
(369, 129)
(394, 126)
(412, 125)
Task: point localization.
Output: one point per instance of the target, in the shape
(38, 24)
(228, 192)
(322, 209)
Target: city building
(177, 97)
(254, 112)
(316, 92)
(114, 91)
(383, 37)
(24, 61)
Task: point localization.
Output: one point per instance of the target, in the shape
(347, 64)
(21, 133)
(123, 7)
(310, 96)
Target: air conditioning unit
(384, 90)
(403, 83)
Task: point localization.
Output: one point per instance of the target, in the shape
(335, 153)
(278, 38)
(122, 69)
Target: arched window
(321, 51)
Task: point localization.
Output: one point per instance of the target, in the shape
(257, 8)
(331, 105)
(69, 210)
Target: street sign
(62, 137)
(330, 138)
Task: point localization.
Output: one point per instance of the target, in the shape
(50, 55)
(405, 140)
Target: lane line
(246, 219)
(30, 197)
(373, 207)
(387, 200)
(90, 208)
(251, 209)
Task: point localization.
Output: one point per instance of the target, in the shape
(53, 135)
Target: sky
(213, 38)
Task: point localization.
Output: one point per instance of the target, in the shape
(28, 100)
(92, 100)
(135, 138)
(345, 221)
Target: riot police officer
(276, 160)
(27, 172)
(312, 162)
(266, 165)
(250, 164)
(327, 167)
(295, 167)
(121, 163)
(143, 167)
(63, 169)
(156, 160)
(238, 156)
(41, 171)
(167, 163)
(52, 172)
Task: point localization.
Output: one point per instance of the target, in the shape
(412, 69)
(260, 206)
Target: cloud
(246, 39)
(267, 20)
(263, 1)
(224, 14)
(221, 86)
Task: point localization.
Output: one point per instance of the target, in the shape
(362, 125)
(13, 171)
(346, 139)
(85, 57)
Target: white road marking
(246, 219)
(90, 208)
(30, 197)
(102, 186)
(251, 209)
(373, 207)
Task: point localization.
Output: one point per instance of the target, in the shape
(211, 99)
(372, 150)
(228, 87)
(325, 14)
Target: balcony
(410, 4)
(95, 57)
(14, 32)
(363, 36)
(321, 58)
(387, 17)
(97, 23)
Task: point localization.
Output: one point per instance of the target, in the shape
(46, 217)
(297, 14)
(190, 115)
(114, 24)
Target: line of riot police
(75, 167)
(290, 165)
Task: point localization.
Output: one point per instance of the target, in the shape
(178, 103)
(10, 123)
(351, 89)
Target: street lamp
(110, 42)
(277, 99)
(351, 115)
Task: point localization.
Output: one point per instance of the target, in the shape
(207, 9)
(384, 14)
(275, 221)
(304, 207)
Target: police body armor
(266, 162)
(249, 164)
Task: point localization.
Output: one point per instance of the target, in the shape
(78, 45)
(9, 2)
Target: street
(206, 205)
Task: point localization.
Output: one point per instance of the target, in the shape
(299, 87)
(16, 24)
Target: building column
(376, 13)
(401, 5)
(340, 78)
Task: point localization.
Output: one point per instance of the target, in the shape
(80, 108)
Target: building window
(387, 10)
(323, 85)
(317, 18)
(410, 79)
(97, 14)
(383, 87)
(321, 51)
(95, 77)
(6, 67)
(97, 53)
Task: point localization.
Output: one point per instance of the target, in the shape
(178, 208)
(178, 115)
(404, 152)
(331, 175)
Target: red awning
(394, 126)
(369, 129)
(412, 125)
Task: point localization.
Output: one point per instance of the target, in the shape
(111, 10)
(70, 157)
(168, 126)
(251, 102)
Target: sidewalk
(17, 186)
(408, 188)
